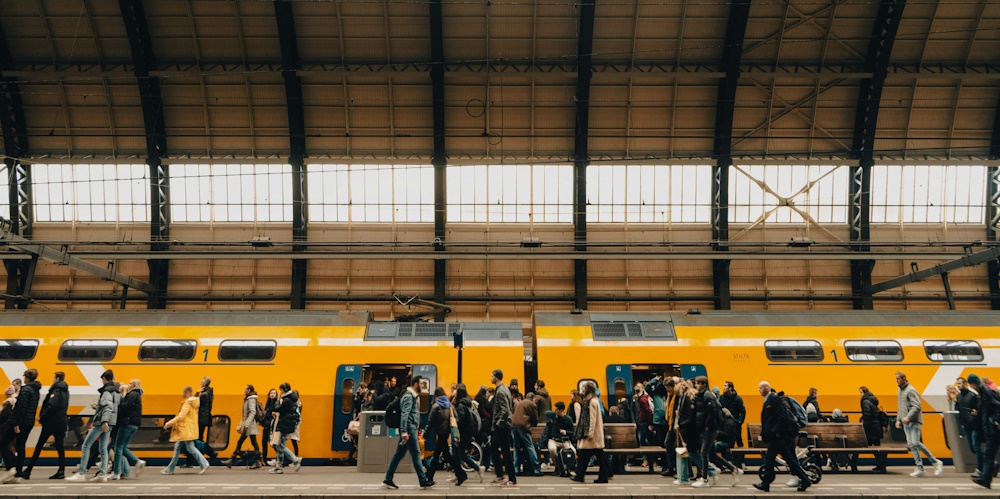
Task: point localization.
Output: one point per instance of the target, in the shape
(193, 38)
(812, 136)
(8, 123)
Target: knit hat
(9, 391)
(973, 379)
(498, 374)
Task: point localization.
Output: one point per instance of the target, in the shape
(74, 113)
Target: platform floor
(220, 482)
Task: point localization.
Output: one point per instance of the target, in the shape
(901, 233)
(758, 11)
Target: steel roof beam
(297, 143)
(581, 157)
(890, 13)
(968, 260)
(739, 14)
(440, 158)
(143, 61)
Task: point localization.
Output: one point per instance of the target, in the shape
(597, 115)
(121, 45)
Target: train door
(692, 371)
(348, 379)
(619, 383)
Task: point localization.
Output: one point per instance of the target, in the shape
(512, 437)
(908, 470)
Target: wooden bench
(826, 438)
(620, 440)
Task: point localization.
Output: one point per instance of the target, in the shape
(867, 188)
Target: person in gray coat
(503, 409)
(409, 429)
(105, 416)
(910, 418)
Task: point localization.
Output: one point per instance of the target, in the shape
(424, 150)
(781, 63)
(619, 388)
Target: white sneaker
(297, 464)
(114, 477)
(679, 482)
(793, 482)
(918, 473)
(482, 475)
(452, 478)
(100, 478)
(8, 476)
(271, 462)
(14, 480)
(736, 476)
(165, 471)
(76, 477)
(137, 470)
(938, 467)
(700, 483)
(204, 469)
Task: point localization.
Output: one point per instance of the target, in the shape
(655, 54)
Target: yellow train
(326, 355)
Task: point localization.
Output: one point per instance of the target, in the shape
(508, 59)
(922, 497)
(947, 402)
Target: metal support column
(439, 160)
(865, 123)
(581, 157)
(144, 60)
(993, 212)
(297, 146)
(739, 13)
(15, 138)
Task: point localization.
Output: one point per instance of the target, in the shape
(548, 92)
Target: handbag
(681, 450)
(454, 425)
(354, 428)
(241, 428)
(275, 435)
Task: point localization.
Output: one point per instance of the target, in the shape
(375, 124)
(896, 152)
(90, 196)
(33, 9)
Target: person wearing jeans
(184, 431)
(525, 418)
(129, 419)
(287, 416)
(105, 417)
(409, 426)
(910, 420)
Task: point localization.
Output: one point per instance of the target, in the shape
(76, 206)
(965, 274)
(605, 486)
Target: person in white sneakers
(910, 419)
(105, 416)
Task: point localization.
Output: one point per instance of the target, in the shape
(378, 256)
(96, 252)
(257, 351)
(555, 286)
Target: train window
(620, 391)
(579, 384)
(793, 350)
(247, 350)
(88, 350)
(167, 350)
(347, 396)
(953, 351)
(873, 351)
(18, 349)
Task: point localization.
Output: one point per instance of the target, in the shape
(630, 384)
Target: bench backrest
(827, 434)
(620, 435)
(536, 432)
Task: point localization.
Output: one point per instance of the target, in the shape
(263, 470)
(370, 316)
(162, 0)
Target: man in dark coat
(989, 423)
(732, 401)
(205, 397)
(54, 423)
(22, 420)
(779, 438)
(966, 404)
(872, 423)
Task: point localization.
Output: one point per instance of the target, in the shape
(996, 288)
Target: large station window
(167, 350)
(247, 350)
(873, 351)
(18, 349)
(793, 350)
(953, 351)
(88, 350)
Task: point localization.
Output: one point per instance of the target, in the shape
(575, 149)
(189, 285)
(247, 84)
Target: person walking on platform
(525, 418)
(779, 432)
(987, 416)
(467, 416)
(732, 401)
(439, 421)
(53, 419)
(872, 423)
(206, 396)
(590, 437)
(409, 427)
(129, 421)
(910, 420)
(184, 431)
(966, 403)
(22, 420)
(288, 419)
(503, 409)
(105, 416)
(708, 414)
(248, 428)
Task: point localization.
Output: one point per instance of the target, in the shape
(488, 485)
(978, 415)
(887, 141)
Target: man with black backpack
(404, 414)
(708, 417)
(778, 429)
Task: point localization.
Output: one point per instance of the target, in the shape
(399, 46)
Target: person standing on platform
(22, 420)
(105, 416)
(872, 423)
(732, 401)
(966, 403)
(525, 418)
(910, 420)
(779, 435)
(988, 414)
(205, 397)
(590, 437)
(503, 409)
(409, 428)
(54, 424)
(184, 431)
(270, 407)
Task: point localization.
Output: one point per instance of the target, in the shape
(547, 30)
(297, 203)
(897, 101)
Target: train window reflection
(793, 350)
(88, 350)
(953, 351)
(18, 349)
(166, 350)
(873, 351)
(347, 396)
(247, 350)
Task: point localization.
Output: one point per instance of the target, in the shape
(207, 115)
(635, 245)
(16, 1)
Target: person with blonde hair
(184, 431)
(129, 421)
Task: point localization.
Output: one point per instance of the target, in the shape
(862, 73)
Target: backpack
(393, 414)
(258, 414)
(470, 423)
(792, 414)
(883, 419)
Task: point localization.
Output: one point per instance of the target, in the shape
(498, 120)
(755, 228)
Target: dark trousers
(503, 456)
(880, 460)
(583, 458)
(203, 430)
(663, 437)
(19, 439)
(265, 438)
(708, 453)
(442, 447)
(989, 466)
(738, 458)
(57, 439)
(782, 446)
(253, 442)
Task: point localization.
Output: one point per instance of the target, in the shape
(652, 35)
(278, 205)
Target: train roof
(845, 318)
(184, 318)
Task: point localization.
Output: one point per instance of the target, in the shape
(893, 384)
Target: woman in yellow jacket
(184, 431)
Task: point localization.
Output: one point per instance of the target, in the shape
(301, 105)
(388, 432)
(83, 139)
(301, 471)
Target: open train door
(348, 379)
(619, 383)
